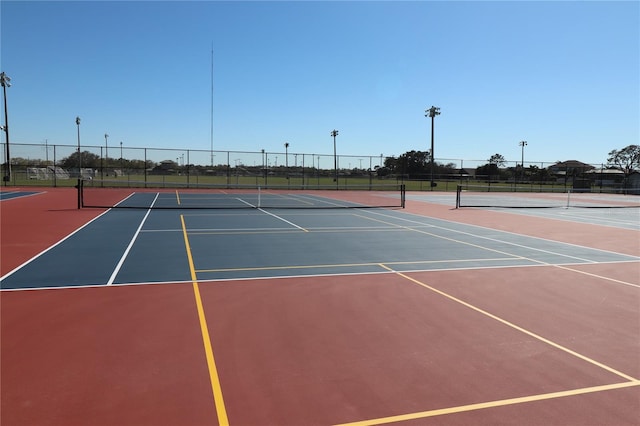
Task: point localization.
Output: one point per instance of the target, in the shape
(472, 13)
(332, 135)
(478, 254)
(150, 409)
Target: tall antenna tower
(212, 105)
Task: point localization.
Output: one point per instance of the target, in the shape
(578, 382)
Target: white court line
(126, 252)
(330, 274)
(314, 229)
(271, 214)
(20, 196)
(505, 232)
(485, 238)
(52, 247)
(284, 220)
(584, 216)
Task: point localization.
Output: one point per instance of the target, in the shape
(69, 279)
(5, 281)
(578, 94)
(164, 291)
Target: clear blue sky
(563, 76)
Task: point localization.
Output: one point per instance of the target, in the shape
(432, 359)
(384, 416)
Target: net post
(568, 198)
(458, 191)
(259, 197)
(403, 195)
(79, 187)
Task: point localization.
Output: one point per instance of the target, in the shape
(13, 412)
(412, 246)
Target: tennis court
(316, 307)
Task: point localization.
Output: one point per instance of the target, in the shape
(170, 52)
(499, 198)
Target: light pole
(121, 161)
(5, 80)
(522, 144)
(106, 152)
(79, 154)
(432, 112)
(334, 133)
(286, 159)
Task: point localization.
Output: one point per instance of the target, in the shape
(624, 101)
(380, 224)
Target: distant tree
(626, 159)
(412, 163)
(492, 168)
(89, 160)
(390, 163)
(538, 174)
(415, 162)
(382, 171)
(497, 159)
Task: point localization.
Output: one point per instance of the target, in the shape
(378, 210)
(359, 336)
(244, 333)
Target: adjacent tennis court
(294, 307)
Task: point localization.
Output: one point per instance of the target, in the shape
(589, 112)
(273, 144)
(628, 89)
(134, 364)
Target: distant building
(166, 167)
(633, 183)
(566, 171)
(605, 177)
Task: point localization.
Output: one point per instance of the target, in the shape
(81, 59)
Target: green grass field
(294, 182)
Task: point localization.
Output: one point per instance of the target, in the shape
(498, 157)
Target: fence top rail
(44, 148)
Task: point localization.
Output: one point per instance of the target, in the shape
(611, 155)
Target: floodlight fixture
(5, 80)
(432, 112)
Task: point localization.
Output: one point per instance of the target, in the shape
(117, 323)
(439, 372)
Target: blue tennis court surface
(8, 195)
(134, 246)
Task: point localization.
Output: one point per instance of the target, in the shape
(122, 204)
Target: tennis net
(496, 196)
(141, 195)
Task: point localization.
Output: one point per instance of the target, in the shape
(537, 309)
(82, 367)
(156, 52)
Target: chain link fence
(61, 165)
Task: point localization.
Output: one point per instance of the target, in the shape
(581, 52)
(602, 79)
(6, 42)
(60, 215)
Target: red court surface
(108, 356)
(538, 345)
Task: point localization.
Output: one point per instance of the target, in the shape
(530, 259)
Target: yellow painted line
(284, 231)
(506, 253)
(206, 339)
(178, 197)
(351, 265)
(520, 329)
(289, 231)
(491, 404)
(276, 268)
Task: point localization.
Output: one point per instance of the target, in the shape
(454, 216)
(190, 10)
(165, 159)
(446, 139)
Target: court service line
(294, 197)
(250, 231)
(491, 404)
(516, 327)
(206, 338)
(133, 240)
(283, 219)
(318, 199)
